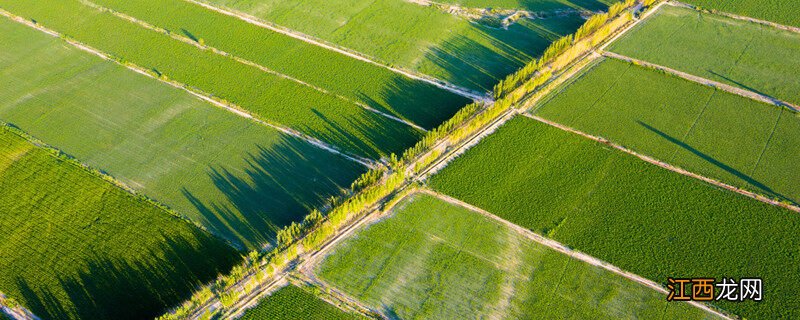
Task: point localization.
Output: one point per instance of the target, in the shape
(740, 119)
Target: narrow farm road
(230, 107)
(706, 82)
(464, 92)
(557, 246)
(668, 166)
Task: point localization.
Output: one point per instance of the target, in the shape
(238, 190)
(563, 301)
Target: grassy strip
(646, 220)
(738, 53)
(378, 87)
(698, 128)
(77, 245)
(435, 260)
(269, 97)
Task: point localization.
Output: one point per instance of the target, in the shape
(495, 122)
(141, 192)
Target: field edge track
(227, 106)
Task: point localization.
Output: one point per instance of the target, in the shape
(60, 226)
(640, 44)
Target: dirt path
(347, 52)
(668, 166)
(244, 61)
(706, 82)
(557, 246)
(235, 109)
(15, 312)
(738, 17)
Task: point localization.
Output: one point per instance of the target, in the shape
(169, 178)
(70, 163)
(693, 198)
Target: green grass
(435, 260)
(710, 132)
(635, 215)
(291, 302)
(742, 54)
(780, 11)
(424, 39)
(268, 96)
(378, 87)
(76, 246)
(240, 179)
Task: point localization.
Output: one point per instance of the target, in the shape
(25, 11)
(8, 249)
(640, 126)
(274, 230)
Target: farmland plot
(435, 260)
(535, 5)
(378, 87)
(73, 245)
(270, 97)
(291, 302)
(241, 180)
(424, 39)
(747, 55)
(638, 216)
(710, 132)
(779, 11)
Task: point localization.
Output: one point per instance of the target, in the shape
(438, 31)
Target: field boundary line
(776, 25)
(464, 92)
(706, 82)
(233, 108)
(624, 31)
(769, 140)
(178, 37)
(668, 166)
(559, 247)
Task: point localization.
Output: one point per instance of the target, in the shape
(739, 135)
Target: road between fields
(244, 61)
(557, 246)
(668, 166)
(710, 83)
(464, 92)
(230, 107)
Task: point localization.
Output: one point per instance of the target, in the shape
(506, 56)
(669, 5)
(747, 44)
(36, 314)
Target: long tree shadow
(746, 87)
(741, 175)
(113, 288)
(279, 185)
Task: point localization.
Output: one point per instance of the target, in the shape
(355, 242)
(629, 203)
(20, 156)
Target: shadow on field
(110, 288)
(482, 60)
(418, 102)
(741, 175)
(279, 185)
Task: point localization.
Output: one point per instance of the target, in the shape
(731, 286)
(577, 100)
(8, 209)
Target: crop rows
(640, 217)
(743, 54)
(75, 245)
(291, 302)
(780, 11)
(268, 96)
(241, 180)
(380, 88)
(711, 132)
(414, 37)
(435, 260)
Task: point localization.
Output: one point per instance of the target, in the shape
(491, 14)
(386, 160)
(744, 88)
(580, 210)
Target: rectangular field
(376, 86)
(743, 54)
(435, 260)
(270, 97)
(76, 246)
(424, 39)
(635, 215)
(711, 132)
(779, 11)
(291, 302)
(241, 180)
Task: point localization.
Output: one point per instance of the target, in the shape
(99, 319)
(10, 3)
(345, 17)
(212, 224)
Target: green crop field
(720, 135)
(240, 179)
(378, 87)
(744, 54)
(268, 96)
(424, 39)
(74, 245)
(638, 216)
(291, 302)
(435, 260)
(780, 11)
